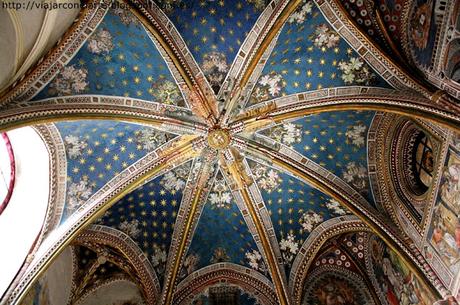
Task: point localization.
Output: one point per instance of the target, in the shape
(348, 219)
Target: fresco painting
(422, 31)
(397, 284)
(444, 232)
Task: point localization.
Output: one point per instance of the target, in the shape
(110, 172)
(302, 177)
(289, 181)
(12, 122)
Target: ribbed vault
(219, 134)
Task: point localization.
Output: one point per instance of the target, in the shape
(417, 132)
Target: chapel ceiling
(209, 172)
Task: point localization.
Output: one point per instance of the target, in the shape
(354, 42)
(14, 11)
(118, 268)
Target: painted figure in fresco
(420, 24)
(445, 236)
(396, 281)
(335, 292)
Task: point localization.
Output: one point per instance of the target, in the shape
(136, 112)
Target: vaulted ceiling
(226, 136)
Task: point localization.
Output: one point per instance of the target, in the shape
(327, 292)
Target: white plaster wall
(22, 219)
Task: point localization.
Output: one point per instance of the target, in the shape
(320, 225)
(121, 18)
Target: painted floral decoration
(220, 196)
(158, 259)
(325, 37)
(356, 175)
(215, 68)
(126, 17)
(300, 15)
(256, 261)
(149, 138)
(267, 178)
(175, 180)
(77, 194)
(131, 228)
(74, 146)
(335, 207)
(258, 4)
(220, 255)
(166, 92)
(287, 133)
(356, 135)
(269, 86)
(289, 248)
(70, 80)
(309, 220)
(190, 264)
(100, 42)
(355, 71)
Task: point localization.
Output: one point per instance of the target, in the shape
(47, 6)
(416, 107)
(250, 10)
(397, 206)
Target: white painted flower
(175, 179)
(220, 196)
(269, 86)
(273, 81)
(300, 15)
(335, 207)
(356, 135)
(77, 194)
(266, 178)
(356, 175)
(74, 146)
(309, 220)
(258, 4)
(150, 138)
(190, 264)
(215, 68)
(287, 133)
(166, 92)
(131, 228)
(159, 259)
(289, 248)
(355, 71)
(125, 16)
(70, 80)
(325, 37)
(100, 42)
(256, 261)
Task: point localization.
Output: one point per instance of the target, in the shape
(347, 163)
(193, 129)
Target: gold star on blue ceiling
(310, 55)
(119, 59)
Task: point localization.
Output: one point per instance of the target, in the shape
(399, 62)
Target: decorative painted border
(247, 279)
(345, 98)
(158, 162)
(313, 244)
(194, 198)
(50, 65)
(58, 178)
(260, 206)
(251, 46)
(116, 239)
(12, 177)
(171, 118)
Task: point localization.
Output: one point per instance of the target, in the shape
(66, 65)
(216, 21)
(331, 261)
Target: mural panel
(444, 232)
(335, 286)
(395, 282)
(422, 31)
